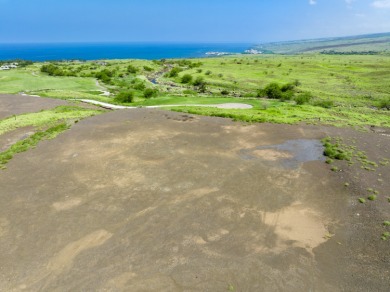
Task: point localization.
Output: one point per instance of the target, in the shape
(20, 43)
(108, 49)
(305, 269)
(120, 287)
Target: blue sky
(188, 21)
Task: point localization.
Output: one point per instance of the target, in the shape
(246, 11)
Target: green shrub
(139, 86)
(187, 78)
(195, 64)
(148, 69)
(323, 103)
(190, 92)
(150, 92)
(297, 83)
(384, 103)
(273, 91)
(287, 87)
(261, 93)
(125, 97)
(250, 94)
(303, 98)
(131, 69)
(199, 81)
(174, 72)
(225, 92)
(288, 95)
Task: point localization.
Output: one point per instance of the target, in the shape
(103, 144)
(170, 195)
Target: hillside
(362, 44)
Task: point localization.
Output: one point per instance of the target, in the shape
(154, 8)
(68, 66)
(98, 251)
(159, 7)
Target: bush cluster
(174, 72)
(335, 151)
(150, 92)
(275, 91)
(132, 69)
(303, 98)
(125, 97)
(187, 78)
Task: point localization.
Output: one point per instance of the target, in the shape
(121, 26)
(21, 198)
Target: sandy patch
(63, 260)
(298, 223)
(67, 205)
(4, 226)
(65, 257)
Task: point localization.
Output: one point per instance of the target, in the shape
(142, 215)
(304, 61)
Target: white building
(9, 66)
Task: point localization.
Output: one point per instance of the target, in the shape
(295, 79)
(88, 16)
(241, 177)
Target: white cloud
(312, 2)
(381, 4)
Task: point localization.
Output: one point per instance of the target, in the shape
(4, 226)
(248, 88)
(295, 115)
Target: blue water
(95, 51)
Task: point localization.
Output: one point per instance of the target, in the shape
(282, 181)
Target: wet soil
(150, 200)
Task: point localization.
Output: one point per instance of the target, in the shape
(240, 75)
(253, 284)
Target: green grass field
(30, 80)
(345, 90)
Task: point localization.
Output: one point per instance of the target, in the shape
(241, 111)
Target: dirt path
(104, 90)
(114, 106)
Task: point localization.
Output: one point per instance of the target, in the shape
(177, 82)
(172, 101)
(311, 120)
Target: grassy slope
(45, 118)
(285, 113)
(355, 84)
(31, 80)
(343, 78)
(363, 43)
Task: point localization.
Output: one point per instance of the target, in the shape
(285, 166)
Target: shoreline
(117, 51)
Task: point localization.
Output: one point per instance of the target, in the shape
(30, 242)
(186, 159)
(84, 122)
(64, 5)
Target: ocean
(96, 51)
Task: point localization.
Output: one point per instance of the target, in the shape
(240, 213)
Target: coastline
(110, 51)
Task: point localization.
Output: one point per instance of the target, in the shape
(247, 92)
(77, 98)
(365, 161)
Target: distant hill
(362, 44)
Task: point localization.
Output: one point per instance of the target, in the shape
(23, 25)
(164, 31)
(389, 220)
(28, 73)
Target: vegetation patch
(339, 90)
(336, 149)
(31, 142)
(48, 124)
(45, 118)
(385, 235)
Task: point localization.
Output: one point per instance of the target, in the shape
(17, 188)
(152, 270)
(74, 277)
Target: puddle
(290, 154)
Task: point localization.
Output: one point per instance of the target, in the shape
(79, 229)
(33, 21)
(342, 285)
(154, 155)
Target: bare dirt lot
(20, 104)
(150, 200)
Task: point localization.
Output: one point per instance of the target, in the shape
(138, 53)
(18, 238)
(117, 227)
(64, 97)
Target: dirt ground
(150, 200)
(20, 104)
